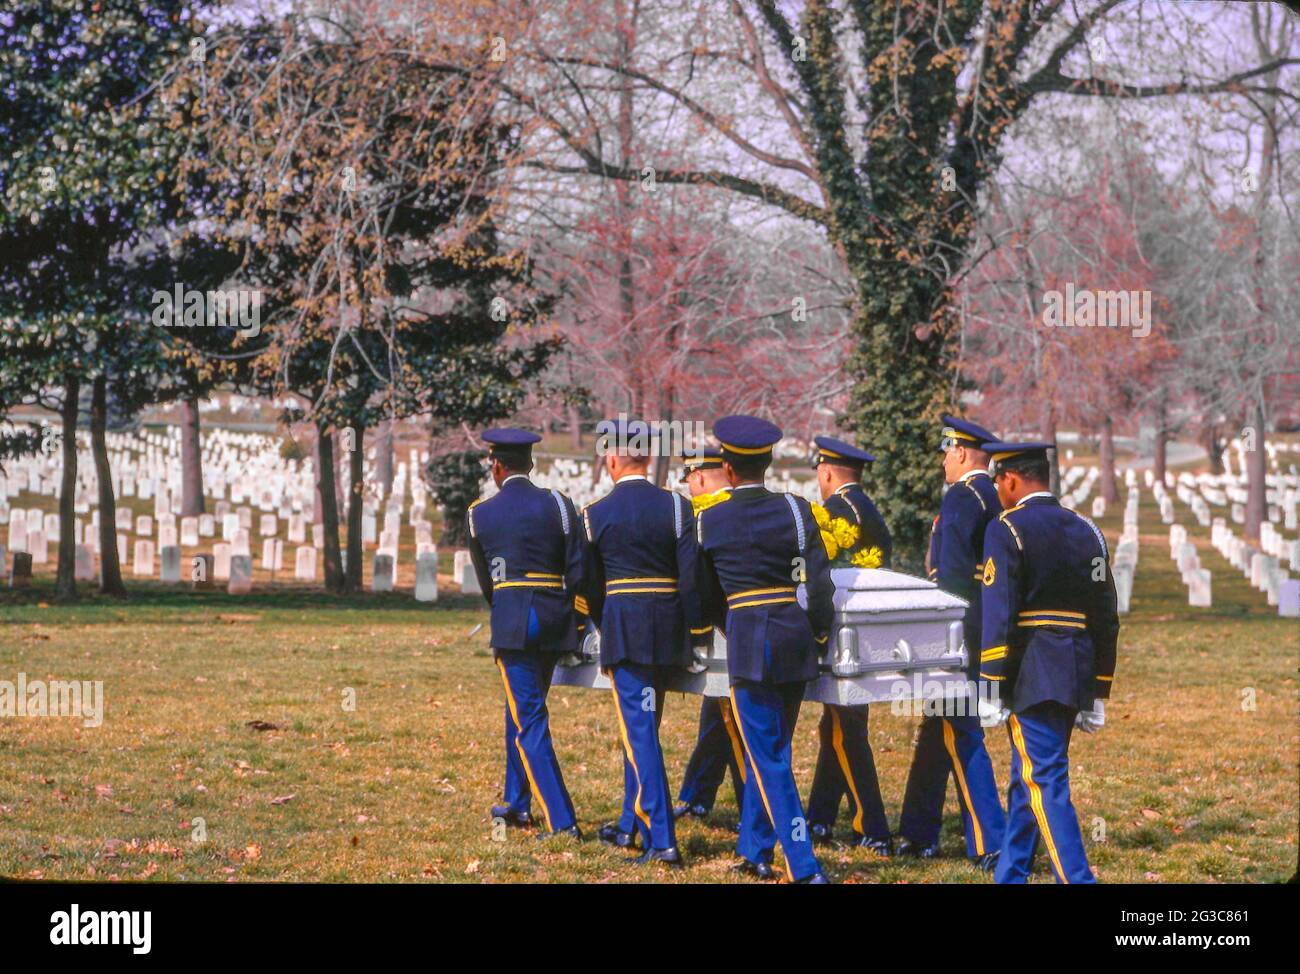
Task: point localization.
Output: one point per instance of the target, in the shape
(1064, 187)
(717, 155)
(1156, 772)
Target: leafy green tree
(90, 156)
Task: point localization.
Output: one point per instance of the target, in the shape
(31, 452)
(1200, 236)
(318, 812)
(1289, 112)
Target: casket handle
(902, 651)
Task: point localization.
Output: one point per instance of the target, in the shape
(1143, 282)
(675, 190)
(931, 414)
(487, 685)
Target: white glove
(991, 714)
(1091, 721)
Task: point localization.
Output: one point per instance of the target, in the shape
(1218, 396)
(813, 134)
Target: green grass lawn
(1185, 784)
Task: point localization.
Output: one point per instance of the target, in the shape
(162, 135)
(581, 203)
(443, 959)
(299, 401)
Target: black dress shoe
(611, 834)
(816, 879)
(694, 810)
(822, 835)
(881, 847)
(759, 870)
(906, 847)
(669, 857)
(572, 832)
(987, 862)
(513, 819)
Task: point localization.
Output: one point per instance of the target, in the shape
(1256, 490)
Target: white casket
(896, 637)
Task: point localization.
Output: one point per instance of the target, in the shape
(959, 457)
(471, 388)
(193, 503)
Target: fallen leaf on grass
(283, 799)
(262, 725)
(1150, 813)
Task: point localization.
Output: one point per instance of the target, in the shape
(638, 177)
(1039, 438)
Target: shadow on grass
(155, 602)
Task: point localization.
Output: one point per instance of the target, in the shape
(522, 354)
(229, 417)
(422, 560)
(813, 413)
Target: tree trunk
(1109, 488)
(110, 571)
(1213, 447)
(352, 577)
(1048, 424)
(1162, 441)
(384, 456)
(191, 459)
(1256, 470)
(575, 428)
(65, 589)
(328, 510)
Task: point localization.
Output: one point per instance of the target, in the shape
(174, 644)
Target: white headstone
(18, 532)
(221, 554)
(169, 568)
(143, 525)
(142, 564)
(304, 564)
(468, 579)
(297, 530)
(83, 564)
(1123, 586)
(426, 576)
(381, 579)
(1198, 589)
(189, 531)
(39, 547)
(207, 526)
(267, 524)
(241, 575)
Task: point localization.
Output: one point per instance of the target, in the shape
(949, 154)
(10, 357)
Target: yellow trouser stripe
(701, 631)
(729, 722)
(1051, 622)
(1035, 795)
(758, 779)
(1106, 678)
(997, 652)
(627, 749)
(519, 744)
(950, 742)
(629, 581)
(1053, 612)
(526, 584)
(837, 742)
(638, 591)
(780, 589)
(542, 575)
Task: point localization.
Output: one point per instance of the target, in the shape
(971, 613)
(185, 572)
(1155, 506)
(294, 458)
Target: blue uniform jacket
(957, 548)
(754, 551)
(640, 574)
(851, 502)
(1050, 621)
(526, 545)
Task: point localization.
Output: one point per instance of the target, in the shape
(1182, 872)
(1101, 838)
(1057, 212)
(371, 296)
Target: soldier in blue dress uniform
(640, 590)
(953, 744)
(1049, 633)
(526, 547)
(845, 764)
(717, 746)
(754, 552)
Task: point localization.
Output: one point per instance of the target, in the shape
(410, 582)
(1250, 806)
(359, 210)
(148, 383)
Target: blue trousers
(1038, 801)
(952, 745)
(845, 766)
(647, 800)
(717, 749)
(772, 812)
(527, 678)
